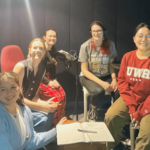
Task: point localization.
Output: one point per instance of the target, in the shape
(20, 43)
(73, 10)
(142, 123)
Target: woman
(31, 73)
(95, 56)
(133, 83)
(55, 89)
(16, 125)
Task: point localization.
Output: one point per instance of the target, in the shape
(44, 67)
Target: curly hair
(14, 76)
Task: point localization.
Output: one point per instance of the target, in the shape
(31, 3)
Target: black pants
(96, 90)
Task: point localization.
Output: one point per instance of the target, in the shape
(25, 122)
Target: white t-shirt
(19, 122)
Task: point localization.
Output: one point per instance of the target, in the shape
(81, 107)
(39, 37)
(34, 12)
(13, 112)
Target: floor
(70, 116)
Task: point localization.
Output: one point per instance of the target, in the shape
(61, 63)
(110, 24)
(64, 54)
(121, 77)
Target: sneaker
(92, 114)
(125, 140)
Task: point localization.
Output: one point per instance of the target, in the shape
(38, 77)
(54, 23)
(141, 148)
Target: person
(54, 89)
(16, 125)
(31, 73)
(134, 101)
(96, 55)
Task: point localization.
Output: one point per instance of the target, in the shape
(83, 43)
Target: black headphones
(100, 24)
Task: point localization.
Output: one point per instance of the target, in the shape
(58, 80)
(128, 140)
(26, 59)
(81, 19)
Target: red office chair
(10, 56)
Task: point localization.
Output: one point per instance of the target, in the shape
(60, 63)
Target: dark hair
(49, 30)
(105, 43)
(100, 24)
(14, 76)
(141, 25)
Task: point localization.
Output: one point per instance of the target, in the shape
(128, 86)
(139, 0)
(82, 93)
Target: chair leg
(132, 136)
(85, 105)
(112, 100)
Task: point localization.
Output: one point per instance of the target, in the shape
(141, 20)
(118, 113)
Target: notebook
(69, 133)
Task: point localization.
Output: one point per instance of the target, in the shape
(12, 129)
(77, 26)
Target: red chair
(10, 56)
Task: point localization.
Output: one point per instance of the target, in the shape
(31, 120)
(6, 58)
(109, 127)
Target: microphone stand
(77, 88)
(68, 66)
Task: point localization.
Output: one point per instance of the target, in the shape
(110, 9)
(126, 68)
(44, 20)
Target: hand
(133, 120)
(50, 101)
(64, 119)
(54, 61)
(45, 106)
(54, 84)
(136, 122)
(107, 87)
(131, 116)
(114, 85)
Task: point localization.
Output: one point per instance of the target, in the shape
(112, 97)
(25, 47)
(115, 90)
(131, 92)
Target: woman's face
(9, 91)
(142, 39)
(37, 50)
(97, 32)
(51, 37)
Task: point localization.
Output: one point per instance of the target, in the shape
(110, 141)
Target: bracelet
(114, 78)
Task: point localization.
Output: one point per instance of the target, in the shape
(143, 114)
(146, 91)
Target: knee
(44, 119)
(97, 91)
(40, 125)
(109, 116)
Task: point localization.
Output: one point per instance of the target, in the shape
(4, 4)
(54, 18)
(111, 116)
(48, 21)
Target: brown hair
(37, 39)
(14, 76)
(105, 43)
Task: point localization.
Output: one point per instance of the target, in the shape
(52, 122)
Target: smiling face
(50, 37)
(9, 92)
(37, 50)
(97, 32)
(142, 39)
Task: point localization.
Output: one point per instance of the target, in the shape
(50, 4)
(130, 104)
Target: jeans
(42, 122)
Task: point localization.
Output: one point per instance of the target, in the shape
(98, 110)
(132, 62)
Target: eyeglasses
(141, 36)
(98, 31)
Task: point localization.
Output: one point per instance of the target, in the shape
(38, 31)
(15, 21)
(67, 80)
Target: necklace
(15, 115)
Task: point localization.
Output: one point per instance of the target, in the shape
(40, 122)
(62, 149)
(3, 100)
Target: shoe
(92, 114)
(125, 140)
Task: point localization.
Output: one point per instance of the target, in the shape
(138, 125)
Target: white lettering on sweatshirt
(137, 72)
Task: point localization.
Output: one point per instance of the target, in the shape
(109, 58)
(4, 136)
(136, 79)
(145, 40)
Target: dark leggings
(96, 90)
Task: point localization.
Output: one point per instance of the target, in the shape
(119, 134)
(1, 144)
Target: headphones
(100, 24)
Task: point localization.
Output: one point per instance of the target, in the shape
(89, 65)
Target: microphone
(70, 57)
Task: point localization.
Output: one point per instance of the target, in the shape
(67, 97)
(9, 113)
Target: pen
(87, 131)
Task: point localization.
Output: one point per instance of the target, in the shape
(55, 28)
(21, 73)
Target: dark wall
(23, 20)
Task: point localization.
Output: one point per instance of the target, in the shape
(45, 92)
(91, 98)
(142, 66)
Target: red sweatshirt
(134, 84)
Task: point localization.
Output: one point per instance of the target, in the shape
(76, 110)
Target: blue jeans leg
(42, 122)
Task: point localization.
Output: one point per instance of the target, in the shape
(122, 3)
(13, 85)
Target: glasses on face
(141, 36)
(98, 31)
